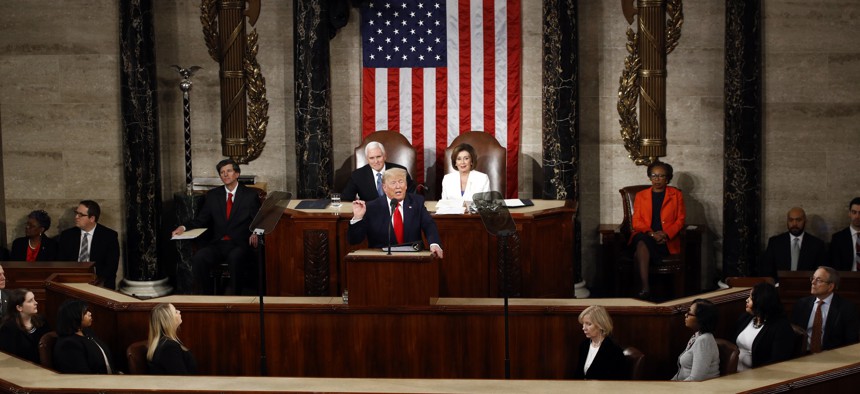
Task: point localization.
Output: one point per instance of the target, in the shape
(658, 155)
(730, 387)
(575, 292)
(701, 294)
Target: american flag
(433, 69)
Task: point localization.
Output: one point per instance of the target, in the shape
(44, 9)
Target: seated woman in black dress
(599, 356)
(166, 355)
(763, 334)
(23, 327)
(77, 349)
(35, 245)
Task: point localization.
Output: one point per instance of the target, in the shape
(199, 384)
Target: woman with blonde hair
(166, 355)
(599, 356)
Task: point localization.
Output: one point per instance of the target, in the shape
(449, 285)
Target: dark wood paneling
(32, 275)
(398, 279)
(543, 257)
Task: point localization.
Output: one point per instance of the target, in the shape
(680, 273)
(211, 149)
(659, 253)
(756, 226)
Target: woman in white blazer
(461, 185)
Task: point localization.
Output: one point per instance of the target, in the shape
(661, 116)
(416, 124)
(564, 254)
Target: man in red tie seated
(830, 321)
(400, 214)
(226, 214)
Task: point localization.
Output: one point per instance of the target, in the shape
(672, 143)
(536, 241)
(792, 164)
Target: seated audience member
(365, 183)
(227, 214)
(461, 185)
(4, 295)
(599, 356)
(404, 213)
(23, 327)
(658, 217)
(701, 359)
(837, 321)
(77, 349)
(91, 241)
(763, 334)
(845, 244)
(35, 245)
(793, 250)
(166, 355)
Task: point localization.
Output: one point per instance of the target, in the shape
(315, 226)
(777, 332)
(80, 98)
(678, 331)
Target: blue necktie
(379, 184)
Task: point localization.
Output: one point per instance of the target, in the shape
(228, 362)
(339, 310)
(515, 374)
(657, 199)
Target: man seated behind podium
(91, 241)
(227, 213)
(794, 250)
(374, 220)
(365, 183)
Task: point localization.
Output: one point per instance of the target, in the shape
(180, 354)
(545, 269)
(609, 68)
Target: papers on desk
(515, 203)
(190, 234)
(450, 207)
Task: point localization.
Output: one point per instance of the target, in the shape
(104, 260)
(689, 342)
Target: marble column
(742, 198)
(560, 123)
(140, 140)
(313, 99)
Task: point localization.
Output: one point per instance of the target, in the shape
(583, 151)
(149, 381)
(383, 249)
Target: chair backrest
(747, 281)
(398, 150)
(46, 349)
(729, 354)
(492, 158)
(634, 362)
(136, 354)
(800, 341)
(628, 196)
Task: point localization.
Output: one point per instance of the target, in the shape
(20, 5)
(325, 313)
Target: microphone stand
(261, 268)
(393, 204)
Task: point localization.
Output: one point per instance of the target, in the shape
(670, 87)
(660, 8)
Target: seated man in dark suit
(838, 321)
(793, 250)
(91, 241)
(409, 218)
(227, 213)
(845, 244)
(365, 183)
(4, 296)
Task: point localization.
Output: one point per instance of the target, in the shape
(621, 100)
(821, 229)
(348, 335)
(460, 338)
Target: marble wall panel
(30, 78)
(59, 27)
(810, 26)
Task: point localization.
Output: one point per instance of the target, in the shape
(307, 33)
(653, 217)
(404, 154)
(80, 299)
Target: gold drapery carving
(244, 107)
(644, 76)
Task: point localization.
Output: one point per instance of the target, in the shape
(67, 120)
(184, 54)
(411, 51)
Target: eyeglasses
(657, 176)
(80, 215)
(817, 281)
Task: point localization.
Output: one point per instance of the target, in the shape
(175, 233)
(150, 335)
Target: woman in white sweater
(701, 359)
(461, 185)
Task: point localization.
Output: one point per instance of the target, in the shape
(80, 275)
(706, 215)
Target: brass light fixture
(644, 76)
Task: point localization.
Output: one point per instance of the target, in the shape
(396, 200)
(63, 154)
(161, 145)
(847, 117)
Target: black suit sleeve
(70, 356)
(107, 260)
(350, 191)
(169, 359)
(767, 266)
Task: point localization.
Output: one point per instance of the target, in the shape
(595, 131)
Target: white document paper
(190, 234)
(514, 202)
(450, 207)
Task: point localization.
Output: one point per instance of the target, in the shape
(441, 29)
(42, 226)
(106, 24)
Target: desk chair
(136, 354)
(729, 354)
(492, 158)
(634, 362)
(46, 349)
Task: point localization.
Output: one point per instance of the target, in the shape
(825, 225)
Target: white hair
(373, 145)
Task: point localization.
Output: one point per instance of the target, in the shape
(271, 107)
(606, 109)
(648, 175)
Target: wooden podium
(400, 279)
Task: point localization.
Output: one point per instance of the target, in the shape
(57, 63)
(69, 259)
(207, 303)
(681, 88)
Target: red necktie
(817, 325)
(229, 204)
(398, 224)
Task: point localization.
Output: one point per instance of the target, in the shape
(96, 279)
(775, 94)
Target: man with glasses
(830, 321)
(794, 250)
(91, 241)
(845, 244)
(404, 213)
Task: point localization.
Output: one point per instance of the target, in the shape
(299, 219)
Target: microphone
(393, 205)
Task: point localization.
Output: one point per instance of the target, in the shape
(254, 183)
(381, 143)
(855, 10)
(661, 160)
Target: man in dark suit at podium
(365, 183)
(398, 213)
(845, 244)
(794, 250)
(226, 214)
(91, 241)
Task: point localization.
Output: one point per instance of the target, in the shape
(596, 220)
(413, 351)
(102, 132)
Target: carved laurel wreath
(255, 83)
(628, 90)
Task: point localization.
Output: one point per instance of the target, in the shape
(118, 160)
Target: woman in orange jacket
(658, 217)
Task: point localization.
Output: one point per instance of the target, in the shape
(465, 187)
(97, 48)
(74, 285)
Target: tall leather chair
(634, 362)
(673, 264)
(136, 354)
(729, 354)
(800, 340)
(492, 158)
(46, 349)
(398, 150)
